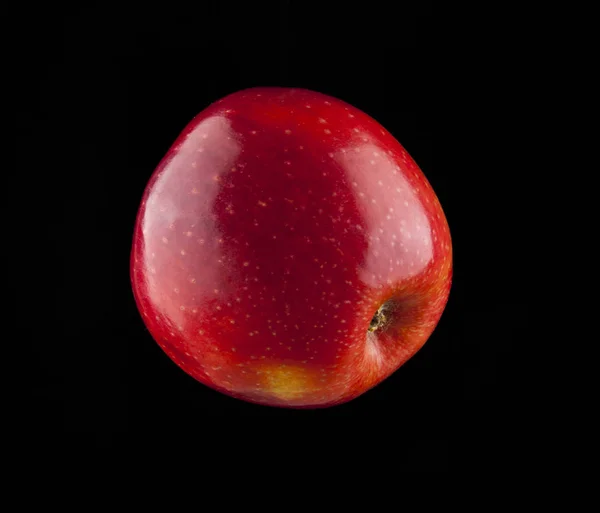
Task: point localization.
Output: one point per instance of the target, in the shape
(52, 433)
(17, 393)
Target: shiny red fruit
(288, 251)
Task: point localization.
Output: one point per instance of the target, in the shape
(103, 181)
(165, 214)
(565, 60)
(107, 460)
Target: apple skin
(276, 226)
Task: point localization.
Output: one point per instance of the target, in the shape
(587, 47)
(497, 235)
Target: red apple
(288, 251)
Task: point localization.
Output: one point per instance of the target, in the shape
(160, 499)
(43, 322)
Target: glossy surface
(276, 226)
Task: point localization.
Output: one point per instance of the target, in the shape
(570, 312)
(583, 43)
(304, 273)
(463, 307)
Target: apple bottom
(288, 383)
(405, 318)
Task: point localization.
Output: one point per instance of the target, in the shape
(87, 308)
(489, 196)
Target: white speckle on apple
(165, 240)
(287, 132)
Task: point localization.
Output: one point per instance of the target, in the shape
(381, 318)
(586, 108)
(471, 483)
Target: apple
(288, 251)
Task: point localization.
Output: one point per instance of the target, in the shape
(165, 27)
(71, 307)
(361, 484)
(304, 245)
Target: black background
(105, 93)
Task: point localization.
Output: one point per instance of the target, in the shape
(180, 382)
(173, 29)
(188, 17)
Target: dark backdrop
(106, 93)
